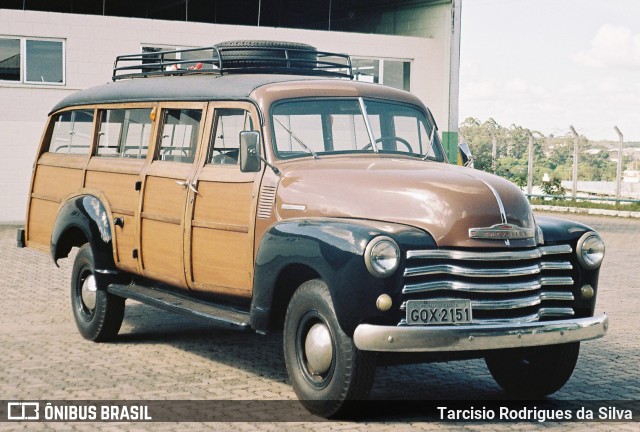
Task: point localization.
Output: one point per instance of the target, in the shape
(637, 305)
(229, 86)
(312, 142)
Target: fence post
(576, 139)
(619, 167)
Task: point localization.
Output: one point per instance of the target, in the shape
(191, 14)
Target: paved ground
(164, 356)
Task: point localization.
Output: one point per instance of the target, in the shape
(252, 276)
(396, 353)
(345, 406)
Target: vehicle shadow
(262, 355)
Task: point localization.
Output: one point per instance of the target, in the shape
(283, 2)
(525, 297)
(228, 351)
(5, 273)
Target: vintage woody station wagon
(256, 185)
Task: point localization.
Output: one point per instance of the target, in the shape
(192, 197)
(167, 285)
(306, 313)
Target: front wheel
(534, 372)
(325, 367)
(98, 314)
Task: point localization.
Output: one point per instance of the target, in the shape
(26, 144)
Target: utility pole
(530, 164)
(619, 168)
(494, 151)
(576, 139)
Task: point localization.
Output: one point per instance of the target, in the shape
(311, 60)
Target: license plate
(433, 312)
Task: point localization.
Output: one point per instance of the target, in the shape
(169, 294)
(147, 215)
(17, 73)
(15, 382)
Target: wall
(92, 43)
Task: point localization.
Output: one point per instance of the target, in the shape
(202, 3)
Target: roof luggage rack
(235, 57)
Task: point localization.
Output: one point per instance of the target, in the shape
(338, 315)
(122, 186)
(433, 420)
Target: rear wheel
(534, 372)
(326, 369)
(98, 314)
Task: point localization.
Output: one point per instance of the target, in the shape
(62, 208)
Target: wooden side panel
(116, 179)
(55, 178)
(161, 229)
(42, 215)
(56, 183)
(126, 241)
(224, 203)
(118, 188)
(162, 243)
(218, 259)
(163, 196)
(221, 244)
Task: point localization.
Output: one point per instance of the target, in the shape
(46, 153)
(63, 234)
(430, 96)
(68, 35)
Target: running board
(220, 315)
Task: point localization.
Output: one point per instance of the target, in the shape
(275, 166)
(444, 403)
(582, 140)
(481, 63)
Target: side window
(72, 132)
(179, 134)
(124, 133)
(226, 137)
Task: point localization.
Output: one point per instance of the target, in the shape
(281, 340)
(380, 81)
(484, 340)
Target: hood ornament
(502, 231)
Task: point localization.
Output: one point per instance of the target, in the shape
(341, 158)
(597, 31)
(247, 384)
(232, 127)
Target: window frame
(381, 66)
(24, 63)
(101, 110)
(48, 141)
(161, 123)
(428, 117)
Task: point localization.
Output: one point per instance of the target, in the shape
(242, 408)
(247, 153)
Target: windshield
(316, 127)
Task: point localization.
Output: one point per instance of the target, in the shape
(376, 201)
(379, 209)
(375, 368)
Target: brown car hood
(442, 199)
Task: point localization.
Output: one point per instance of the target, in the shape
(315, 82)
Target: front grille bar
(505, 287)
(512, 303)
(491, 256)
(456, 270)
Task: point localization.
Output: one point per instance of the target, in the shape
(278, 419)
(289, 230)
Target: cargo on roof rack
(235, 57)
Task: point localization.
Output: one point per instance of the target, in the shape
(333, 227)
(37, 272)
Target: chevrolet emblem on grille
(501, 232)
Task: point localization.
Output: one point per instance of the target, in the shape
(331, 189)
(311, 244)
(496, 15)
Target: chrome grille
(505, 286)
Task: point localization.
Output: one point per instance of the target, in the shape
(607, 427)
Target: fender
(333, 249)
(87, 215)
(558, 231)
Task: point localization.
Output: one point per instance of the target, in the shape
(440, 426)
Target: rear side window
(124, 133)
(72, 132)
(180, 128)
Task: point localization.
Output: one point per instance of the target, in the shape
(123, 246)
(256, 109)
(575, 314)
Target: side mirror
(465, 156)
(250, 151)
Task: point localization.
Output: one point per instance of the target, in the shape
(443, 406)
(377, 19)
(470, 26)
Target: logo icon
(502, 231)
(23, 411)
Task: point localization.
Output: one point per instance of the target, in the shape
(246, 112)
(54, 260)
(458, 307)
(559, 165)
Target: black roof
(177, 88)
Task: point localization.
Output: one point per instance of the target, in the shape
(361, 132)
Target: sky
(549, 64)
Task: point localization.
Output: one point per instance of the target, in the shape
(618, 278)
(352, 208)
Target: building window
(32, 61)
(151, 55)
(392, 73)
(10, 59)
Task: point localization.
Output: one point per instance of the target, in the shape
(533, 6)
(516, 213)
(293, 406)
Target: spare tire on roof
(267, 54)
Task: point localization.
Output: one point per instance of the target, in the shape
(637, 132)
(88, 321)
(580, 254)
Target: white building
(44, 56)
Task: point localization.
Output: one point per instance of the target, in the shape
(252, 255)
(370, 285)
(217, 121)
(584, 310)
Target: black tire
(304, 56)
(534, 372)
(349, 376)
(98, 314)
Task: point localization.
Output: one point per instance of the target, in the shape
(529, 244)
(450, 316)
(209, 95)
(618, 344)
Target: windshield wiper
(298, 140)
(433, 130)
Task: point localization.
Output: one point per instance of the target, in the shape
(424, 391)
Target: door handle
(185, 183)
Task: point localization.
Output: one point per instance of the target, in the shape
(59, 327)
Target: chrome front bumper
(369, 337)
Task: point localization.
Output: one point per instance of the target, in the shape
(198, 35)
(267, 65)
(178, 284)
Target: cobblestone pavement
(164, 356)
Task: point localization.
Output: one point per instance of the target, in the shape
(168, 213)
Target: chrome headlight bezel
(590, 250)
(382, 248)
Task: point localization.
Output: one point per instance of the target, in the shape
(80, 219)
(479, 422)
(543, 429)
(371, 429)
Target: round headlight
(590, 250)
(382, 256)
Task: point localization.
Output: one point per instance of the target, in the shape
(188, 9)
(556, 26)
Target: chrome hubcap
(88, 293)
(318, 349)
